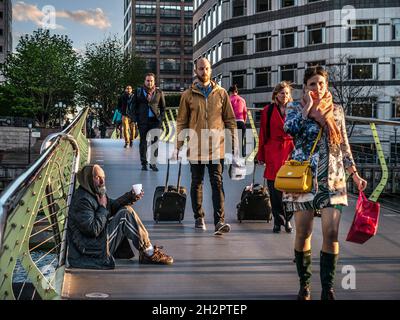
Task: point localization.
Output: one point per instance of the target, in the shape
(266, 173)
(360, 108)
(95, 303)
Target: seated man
(97, 225)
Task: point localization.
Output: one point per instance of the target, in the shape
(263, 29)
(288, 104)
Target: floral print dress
(328, 163)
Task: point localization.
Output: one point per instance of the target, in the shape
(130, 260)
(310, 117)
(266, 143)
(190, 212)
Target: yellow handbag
(295, 176)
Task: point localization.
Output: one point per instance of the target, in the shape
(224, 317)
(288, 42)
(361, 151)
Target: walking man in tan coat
(205, 109)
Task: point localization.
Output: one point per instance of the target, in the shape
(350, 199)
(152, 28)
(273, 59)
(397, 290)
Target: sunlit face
(203, 70)
(318, 86)
(99, 180)
(283, 96)
(149, 82)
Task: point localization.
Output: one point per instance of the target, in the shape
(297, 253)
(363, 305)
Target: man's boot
(328, 263)
(303, 264)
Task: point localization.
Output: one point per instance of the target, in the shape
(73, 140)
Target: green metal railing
(33, 217)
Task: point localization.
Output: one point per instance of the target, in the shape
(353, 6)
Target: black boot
(328, 263)
(303, 264)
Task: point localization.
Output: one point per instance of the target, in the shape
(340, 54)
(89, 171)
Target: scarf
(322, 112)
(150, 93)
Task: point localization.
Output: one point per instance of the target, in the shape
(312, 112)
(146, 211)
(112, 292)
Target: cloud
(92, 17)
(44, 18)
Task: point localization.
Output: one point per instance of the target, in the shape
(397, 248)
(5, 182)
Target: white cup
(137, 188)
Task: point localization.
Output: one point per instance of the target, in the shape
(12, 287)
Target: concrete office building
(258, 43)
(161, 33)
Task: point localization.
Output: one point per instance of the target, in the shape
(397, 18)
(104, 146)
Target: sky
(83, 21)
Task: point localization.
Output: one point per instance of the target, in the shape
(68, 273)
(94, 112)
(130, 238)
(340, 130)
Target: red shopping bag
(365, 222)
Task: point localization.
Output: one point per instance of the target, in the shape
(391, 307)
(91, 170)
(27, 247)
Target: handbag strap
(315, 143)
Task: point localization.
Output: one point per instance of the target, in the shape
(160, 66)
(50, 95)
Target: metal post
(395, 145)
(29, 143)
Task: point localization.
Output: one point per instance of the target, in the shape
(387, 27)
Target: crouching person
(97, 225)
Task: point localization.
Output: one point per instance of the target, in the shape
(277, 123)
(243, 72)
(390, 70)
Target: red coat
(275, 150)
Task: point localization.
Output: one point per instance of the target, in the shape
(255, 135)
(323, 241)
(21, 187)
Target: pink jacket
(239, 107)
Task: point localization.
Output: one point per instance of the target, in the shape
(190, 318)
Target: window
(209, 27)
(263, 77)
(214, 55)
(364, 152)
(257, 114)
(1, 49)
(170, 28)
(214, 17)
(151, 65)
(239, 78)
(204, 27)
(170, 11)
(145, 9)
(170, 46)
(316, 33)
(189, 11)
(146, 46)
(396, 29)
(199, 36)
(362, 69)
(396, 68)
(288, 38)
(289, 72)
(187, 29)
(219, 51)
(396, 107)
(218, 79)
(219, 13)
(188, 47)
(195, 34)
(145, 28)
(263, 41)
(170, 65)
(364, 107)
(288, 3)
(321, 63)
(239, 46)
(239, 8)
(263, 5)
(1, 32)
(364, 30)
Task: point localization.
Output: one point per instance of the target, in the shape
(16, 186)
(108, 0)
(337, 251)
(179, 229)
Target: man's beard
(101, 191)
(204, 78)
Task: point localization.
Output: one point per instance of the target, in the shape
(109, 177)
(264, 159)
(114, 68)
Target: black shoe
(144, 167)
(304, 293)
(328, 294)
(153, 167)
(126, 145)
(277, 228)
(131, 144)
(288, 227)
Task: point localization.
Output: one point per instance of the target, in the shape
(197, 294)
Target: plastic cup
(137, 188)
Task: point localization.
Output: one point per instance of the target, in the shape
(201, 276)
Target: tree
(345, 90)
(42, 72)
(105, 72)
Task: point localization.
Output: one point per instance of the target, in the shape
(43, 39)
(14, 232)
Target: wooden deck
(249, 263)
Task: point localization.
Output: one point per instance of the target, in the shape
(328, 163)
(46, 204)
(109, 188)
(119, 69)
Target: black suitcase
(255, 203)
(168, 203)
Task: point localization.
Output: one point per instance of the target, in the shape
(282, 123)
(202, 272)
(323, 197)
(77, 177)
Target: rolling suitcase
(255, 203)
(168, 203)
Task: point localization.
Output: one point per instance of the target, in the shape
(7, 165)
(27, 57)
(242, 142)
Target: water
(47, 265)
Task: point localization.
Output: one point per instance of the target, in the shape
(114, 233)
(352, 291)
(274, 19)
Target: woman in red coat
(275, 147)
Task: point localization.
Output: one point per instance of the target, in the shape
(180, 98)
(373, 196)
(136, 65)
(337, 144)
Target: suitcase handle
(254, 175)
(179, 176)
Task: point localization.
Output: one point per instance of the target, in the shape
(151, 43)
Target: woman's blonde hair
(280, 86)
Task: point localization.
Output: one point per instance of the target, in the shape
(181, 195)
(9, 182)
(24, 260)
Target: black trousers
(144, 129)
(242, 126)
(215, 171)
(278, 210)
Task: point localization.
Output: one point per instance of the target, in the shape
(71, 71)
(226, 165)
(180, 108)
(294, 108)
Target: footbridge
(251, 262)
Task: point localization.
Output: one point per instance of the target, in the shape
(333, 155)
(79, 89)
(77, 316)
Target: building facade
(258, 43)
(5, 28)
(161, 33)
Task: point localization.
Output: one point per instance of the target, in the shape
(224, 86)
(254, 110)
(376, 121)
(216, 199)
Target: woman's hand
(360, 182)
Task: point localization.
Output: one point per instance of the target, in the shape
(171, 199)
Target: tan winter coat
(206, 120)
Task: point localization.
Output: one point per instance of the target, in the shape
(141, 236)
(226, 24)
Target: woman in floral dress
(332, 157)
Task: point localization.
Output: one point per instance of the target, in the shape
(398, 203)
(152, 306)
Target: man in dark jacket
(97, 225)
(149, 108)
(128, 123)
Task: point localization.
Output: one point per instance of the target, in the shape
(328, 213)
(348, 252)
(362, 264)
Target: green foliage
(105, 72)
(42, 71)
